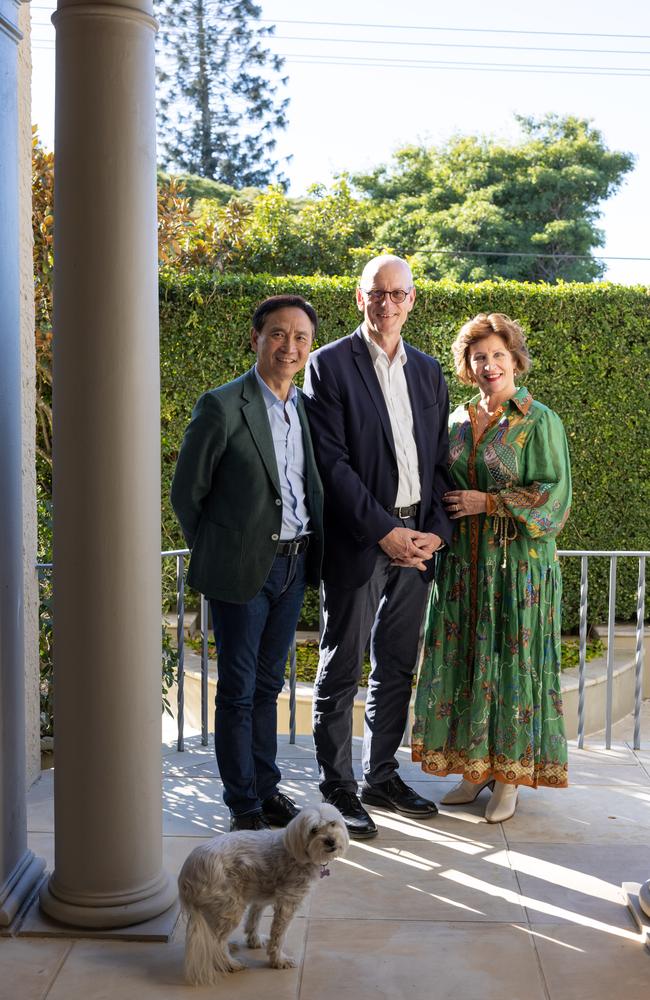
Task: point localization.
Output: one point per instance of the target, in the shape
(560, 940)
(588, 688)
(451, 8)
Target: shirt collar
(522, 400)
(269, 396)
(377, 352)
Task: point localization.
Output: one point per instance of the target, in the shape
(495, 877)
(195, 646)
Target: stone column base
(158, 929)
(18, 887)
(102, 913)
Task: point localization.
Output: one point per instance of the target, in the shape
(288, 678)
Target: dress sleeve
(539, 504)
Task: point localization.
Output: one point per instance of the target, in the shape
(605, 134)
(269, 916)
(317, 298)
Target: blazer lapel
(367, 372)
(255, 415)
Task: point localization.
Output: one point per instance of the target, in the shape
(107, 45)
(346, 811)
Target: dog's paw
(234, 965)
(282, 961)
(256, 940)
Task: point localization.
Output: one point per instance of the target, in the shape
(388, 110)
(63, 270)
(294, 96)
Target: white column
(19, 869)
(107, 594)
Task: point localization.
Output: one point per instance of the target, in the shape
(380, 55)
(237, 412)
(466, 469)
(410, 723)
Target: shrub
(591, 363)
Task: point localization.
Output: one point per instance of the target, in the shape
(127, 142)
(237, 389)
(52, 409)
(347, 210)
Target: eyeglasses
(397, 295)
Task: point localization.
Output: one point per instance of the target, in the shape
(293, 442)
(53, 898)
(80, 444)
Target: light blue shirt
(290, 457)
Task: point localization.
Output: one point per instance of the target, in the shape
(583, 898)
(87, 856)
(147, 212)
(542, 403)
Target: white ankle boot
(502, 804)
(465, 791)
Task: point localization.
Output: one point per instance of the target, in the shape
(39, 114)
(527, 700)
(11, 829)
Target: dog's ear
(297, 834)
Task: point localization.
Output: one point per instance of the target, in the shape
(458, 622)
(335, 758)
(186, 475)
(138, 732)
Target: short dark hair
(275, 302)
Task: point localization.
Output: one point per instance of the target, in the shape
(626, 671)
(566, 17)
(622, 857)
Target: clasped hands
(408, 547)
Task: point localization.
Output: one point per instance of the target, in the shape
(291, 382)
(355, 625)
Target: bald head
(385, 296)
(385, 260)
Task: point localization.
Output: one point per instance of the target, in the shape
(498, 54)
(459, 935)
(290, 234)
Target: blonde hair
(483, 325)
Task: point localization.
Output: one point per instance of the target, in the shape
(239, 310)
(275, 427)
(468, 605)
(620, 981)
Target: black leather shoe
(359, 824)
(395, 794)
(278, 809)
(249, 821)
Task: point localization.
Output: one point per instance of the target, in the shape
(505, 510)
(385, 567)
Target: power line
(440, 45)
(543, 69)
(386, 62)
(430, 27)
(456, 45)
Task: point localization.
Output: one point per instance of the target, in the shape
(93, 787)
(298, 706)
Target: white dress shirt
(392, 382)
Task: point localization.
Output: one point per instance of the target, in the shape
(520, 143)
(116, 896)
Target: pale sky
(364, 84)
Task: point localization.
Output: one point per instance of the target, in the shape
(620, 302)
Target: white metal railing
(583, 555)
(179, 555)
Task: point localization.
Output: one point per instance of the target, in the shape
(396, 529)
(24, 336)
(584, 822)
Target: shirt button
(274, 538)
(278, 503)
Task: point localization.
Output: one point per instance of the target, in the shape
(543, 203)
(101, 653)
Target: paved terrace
(447, 908)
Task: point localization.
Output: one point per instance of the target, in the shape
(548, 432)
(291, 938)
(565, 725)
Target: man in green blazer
(248, 497)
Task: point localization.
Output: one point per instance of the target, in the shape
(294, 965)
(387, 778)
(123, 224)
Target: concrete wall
(30, 592)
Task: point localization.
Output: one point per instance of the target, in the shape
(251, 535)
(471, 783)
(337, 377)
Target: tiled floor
(448, 909)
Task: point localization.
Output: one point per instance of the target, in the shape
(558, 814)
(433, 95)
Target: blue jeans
(253, 641)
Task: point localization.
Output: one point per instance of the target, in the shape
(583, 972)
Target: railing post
(292, 691)
(584, 588)
(204, 671)
(638, 661)
(611, 621)
(180, 638)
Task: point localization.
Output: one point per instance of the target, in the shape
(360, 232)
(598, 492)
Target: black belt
(404, 512)
(294, 547)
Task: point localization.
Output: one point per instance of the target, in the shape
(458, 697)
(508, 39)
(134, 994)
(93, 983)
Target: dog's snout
(330, 843)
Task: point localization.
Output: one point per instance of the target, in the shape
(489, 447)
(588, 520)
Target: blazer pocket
(221, 546)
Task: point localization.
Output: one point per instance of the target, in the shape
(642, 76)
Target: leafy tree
(218, 102)
(264, 232)
(539, 196)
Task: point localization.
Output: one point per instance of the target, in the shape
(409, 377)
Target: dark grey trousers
(389, 610)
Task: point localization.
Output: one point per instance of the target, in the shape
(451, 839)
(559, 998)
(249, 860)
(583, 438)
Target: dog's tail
(204, 957)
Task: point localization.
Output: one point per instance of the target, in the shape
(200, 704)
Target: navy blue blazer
(355, 451)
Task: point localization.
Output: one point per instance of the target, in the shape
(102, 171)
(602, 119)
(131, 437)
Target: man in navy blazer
(378, 410)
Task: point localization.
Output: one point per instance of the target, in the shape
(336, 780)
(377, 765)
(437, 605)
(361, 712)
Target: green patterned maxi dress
(488, 702)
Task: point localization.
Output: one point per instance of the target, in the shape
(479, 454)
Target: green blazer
(226, 493)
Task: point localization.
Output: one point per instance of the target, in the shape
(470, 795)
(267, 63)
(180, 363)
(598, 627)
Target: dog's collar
(324, 870)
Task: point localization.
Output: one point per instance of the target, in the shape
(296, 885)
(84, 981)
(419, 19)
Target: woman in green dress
(488, 704)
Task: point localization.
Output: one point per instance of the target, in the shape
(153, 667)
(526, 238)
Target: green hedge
(591, 363)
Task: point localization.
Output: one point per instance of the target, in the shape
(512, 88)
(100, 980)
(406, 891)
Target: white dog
(253, 868)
